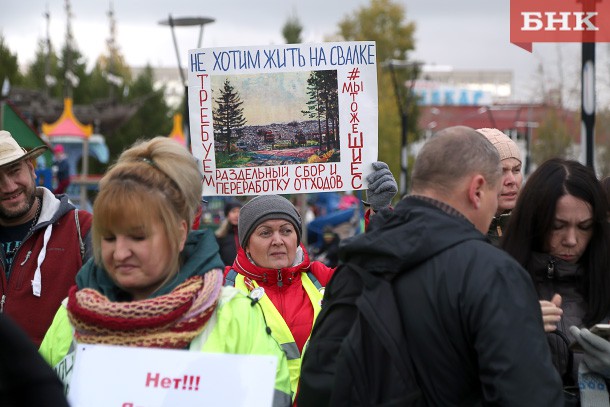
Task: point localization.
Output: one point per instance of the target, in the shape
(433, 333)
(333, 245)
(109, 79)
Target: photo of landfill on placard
(275, 118)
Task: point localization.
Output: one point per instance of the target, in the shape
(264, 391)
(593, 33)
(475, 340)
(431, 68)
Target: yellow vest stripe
(279, 330)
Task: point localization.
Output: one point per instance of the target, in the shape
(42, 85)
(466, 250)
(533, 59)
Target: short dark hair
(532, 220)
(452, 154)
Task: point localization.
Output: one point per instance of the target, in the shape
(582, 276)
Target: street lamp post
(403, 108)
(529, 126)
(588, 103)
(186, 22)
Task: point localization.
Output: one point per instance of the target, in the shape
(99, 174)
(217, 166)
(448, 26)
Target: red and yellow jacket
(291, 300)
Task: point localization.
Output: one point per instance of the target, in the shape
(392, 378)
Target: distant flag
(74, 80)
(114, 79)
(50, 80)
(177, 132)
(6, 87)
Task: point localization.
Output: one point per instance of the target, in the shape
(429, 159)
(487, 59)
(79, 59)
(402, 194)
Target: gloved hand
(382, 186)
(597, 351)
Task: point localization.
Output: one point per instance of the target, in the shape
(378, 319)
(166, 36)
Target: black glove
(382, 186)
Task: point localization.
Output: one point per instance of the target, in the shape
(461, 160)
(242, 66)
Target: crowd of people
(476, 288)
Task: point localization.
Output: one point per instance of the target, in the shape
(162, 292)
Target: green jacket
(236, 327)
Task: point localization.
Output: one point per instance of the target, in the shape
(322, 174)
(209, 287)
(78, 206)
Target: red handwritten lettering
(355, 139)
(204, 122)
(186, 382)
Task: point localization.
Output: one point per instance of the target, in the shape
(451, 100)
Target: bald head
(452, 155)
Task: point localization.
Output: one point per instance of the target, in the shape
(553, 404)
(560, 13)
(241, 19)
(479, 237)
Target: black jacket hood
(400, 239)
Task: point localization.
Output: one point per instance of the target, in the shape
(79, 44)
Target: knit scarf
(172, 320)
(593, 388)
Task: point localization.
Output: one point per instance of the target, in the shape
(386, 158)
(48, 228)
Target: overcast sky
(466, 34)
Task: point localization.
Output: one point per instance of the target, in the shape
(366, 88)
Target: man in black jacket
(470, 313)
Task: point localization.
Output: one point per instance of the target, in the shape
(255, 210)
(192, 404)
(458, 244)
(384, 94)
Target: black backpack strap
(392, 336)
(230, 278)
(564, 352)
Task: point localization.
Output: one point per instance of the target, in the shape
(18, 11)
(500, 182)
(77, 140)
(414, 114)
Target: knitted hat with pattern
(266, 207)
(506, 147)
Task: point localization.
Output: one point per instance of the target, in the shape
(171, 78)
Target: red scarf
(168, 321)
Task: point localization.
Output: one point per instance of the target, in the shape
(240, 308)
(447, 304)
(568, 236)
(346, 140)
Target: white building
(443, 85)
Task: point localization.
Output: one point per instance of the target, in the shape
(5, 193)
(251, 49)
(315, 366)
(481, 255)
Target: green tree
(384, 21)
(9, 67)
(43, 73)
(553, 139)
(228, 115)
(74, 65)
(110, 76)
(323, 103)
(292, 30)
(152, 119)
(314, 106)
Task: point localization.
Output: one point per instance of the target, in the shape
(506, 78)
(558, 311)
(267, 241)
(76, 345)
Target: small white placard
(117, 376)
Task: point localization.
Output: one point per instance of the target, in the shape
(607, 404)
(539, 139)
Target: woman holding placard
(153, 282)
(273, 266)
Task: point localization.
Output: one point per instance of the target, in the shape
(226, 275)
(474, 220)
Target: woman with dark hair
(606, 187)
(559, 233)
(226, 234)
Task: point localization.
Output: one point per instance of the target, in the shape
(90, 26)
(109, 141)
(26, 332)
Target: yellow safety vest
(279, 330)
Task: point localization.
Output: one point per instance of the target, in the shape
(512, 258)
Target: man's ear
(475, 190)
(31, 168)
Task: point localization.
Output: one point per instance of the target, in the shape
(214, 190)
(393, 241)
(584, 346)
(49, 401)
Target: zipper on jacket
(279, 278)
(550, 269)
(27, 256)
(2, 301)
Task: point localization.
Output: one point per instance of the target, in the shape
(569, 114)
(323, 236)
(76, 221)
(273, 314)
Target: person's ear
(475, 190)
(183, 232)
(31, 168)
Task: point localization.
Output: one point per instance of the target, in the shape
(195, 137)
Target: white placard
(117, 376)
(282, 119)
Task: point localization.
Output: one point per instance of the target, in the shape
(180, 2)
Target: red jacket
(58, 270)
(290, 299)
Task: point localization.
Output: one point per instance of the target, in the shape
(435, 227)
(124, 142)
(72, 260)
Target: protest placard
(283, 119)
(119, 376)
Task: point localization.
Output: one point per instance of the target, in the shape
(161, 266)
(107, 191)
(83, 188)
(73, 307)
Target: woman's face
(137, 261)
(233, 216)
(572, 229)
(512, 178)
(273, 244)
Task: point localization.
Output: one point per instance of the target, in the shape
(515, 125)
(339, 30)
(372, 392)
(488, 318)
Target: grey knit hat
(266, 207)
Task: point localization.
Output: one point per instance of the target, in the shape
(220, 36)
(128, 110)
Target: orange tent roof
(177, 132)
(67, 124)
